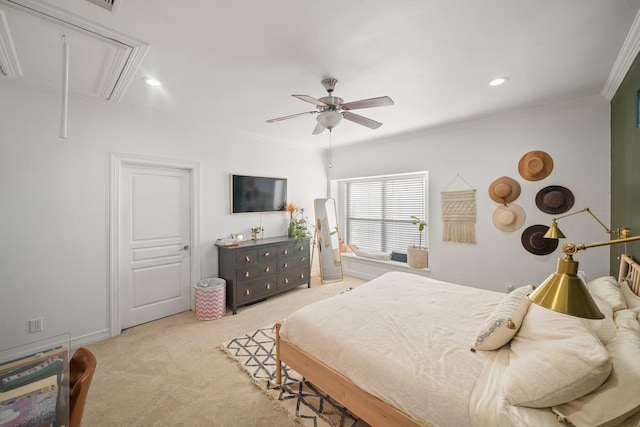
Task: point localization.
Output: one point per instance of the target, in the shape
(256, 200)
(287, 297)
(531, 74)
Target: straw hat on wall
(535, 165)
(534, 241)
(504, 190)
(554, 199)
(508, 218)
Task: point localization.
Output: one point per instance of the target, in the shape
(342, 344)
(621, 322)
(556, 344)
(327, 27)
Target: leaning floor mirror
(328, 240)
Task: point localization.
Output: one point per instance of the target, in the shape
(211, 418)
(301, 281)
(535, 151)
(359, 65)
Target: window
(377, 211)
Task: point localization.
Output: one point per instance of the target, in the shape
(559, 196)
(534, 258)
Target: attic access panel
(101, 62)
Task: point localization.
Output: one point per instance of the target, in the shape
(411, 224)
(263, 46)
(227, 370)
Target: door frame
(118, 161)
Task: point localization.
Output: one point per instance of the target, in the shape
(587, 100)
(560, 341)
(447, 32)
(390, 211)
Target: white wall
(575, 134)
(54, 201)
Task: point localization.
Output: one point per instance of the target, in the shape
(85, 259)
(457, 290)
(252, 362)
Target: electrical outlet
(35, 325)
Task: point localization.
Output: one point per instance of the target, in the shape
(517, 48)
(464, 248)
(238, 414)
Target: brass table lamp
(555, 233)
(564, 291)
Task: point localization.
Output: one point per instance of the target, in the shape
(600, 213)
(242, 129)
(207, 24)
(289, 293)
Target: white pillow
(605, 329)
(504, 321)
(607, 288)
(554, 359)
(619, 397)
(631, 299)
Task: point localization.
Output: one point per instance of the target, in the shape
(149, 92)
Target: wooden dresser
(255, 270)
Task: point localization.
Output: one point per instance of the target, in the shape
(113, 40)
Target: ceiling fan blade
(318, 129)
(290, 117)
(361, 120)
(311, 100)
(381, 101)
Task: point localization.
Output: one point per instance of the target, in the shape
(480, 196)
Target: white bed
(397, 351)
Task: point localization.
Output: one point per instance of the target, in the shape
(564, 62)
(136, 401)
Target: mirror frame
(337, 275)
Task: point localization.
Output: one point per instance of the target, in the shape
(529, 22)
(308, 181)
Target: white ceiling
(236, 64)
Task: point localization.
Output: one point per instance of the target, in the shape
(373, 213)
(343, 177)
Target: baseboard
(88, 339)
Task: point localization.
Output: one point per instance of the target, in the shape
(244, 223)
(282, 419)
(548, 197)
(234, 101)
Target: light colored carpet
(171, 373)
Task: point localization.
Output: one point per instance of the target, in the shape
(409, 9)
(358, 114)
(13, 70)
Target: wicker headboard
(629, 269)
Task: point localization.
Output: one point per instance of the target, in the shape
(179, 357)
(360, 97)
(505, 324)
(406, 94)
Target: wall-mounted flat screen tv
(257, 194)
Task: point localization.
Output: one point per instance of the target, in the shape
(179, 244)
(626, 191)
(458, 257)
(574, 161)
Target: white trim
(117, 162)
(626, 56)
(88, 339)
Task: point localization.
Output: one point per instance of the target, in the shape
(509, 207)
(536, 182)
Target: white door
(154, 243)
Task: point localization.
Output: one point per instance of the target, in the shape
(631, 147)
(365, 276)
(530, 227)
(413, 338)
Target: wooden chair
(81, 369)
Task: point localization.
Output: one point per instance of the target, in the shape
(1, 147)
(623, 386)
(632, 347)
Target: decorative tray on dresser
(257, 269)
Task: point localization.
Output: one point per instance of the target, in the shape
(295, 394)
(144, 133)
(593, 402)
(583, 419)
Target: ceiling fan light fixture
(329, 119)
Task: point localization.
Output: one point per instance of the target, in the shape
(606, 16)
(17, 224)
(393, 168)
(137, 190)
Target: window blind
(378, 211)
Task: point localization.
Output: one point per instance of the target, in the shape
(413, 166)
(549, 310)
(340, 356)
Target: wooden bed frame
(629, 269)
(369, 408)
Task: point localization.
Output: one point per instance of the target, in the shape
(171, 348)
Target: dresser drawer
(293, 277)
(292, 263)
(245, 257)
(267, 254)
(253, 271)
(301, 249)
(256, 289)
(285, 251)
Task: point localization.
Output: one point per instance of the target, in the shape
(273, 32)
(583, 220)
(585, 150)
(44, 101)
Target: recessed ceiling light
(151, 82)
(498, 81)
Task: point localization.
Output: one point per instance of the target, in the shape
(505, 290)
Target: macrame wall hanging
(459, 214)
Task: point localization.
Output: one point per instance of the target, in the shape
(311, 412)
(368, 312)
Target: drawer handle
(267, 253)
(302, 259)
(286, 280)
(302, 275)
(285, 265)
(301, 248)
(247, 259)
(285, 252)
(268, 286)
(247, 292)
(246, 274)
(268, 269)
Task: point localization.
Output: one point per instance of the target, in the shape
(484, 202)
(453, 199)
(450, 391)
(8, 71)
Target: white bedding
(415, 356)
(406, 339)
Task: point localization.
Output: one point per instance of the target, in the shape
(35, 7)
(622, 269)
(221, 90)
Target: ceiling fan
(331, 109)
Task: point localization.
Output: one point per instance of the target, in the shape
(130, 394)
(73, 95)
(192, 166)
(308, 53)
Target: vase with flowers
(298, 226)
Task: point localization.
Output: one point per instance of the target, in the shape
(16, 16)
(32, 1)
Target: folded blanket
(370, 253)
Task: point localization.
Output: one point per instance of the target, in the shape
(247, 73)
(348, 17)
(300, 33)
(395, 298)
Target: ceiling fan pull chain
(330, 140)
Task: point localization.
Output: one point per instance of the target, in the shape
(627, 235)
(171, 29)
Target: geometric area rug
(255, 353)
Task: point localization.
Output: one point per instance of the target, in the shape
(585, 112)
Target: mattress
(403, 338)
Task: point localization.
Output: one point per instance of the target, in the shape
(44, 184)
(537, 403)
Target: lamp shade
(329, 119)
(554, 232)
(566, 293)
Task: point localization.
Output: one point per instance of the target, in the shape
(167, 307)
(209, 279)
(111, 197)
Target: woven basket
(417, 257)
(211, 299)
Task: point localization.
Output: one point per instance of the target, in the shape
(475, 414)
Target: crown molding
(626, 56)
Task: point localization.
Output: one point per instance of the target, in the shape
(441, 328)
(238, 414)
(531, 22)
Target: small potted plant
(418, 256)
(255, 231)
